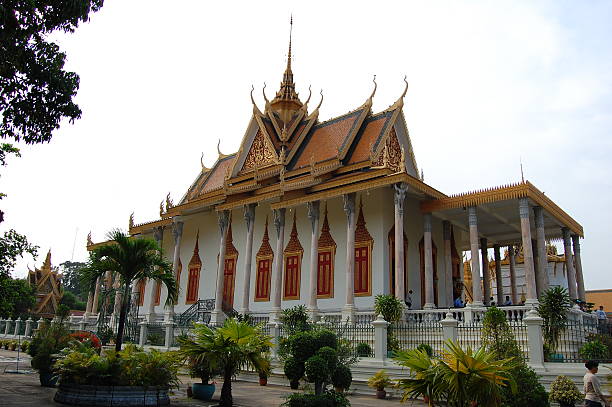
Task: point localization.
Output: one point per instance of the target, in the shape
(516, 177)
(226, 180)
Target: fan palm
(228, 348)
(132, 260)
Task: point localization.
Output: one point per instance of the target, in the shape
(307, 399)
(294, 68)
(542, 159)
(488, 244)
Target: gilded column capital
(177, 230)
(427, 222)
(249, 215)
(313, 213)
(446, 230)
(223, 221)
(472, 218)
(349, 204)
(524, 208)
(278, 219)
(399, 196)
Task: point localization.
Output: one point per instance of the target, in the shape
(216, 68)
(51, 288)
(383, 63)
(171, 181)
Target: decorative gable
(392, 156)
(261, 154)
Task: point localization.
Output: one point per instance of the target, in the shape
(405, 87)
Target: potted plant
(564, 391)
(294, 370)
(49, 340)
(379, 381)
(553, 308)
(363, 350)
(264, 370)
(342, 378)
(201, 369)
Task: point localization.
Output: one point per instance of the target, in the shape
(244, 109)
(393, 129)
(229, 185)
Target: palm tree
(228, 348)
(132, 260)
(462, 378)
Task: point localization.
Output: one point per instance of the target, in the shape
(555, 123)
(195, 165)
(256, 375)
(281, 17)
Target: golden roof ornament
(131, 224)
(204, 168)
(161, 208)
(169, 203)
(89, 241)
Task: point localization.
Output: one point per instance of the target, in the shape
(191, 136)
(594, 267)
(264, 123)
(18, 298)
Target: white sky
(490, 82)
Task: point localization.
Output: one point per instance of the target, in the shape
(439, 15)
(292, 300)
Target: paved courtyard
(25, 390)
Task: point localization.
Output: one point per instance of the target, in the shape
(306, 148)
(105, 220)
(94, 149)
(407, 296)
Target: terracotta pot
(426, 399)
(339, 389)
(381, 394)
(189, 391)
(263, 381)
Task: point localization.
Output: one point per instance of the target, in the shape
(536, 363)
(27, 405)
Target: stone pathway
(18, 390)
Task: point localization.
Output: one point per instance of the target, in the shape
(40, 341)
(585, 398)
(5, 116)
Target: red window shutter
(262, 287)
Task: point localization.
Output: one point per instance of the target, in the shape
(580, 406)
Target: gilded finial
(290, 32)
(219, 148)
(375, 87)
(169, 203)
(321, 102)
(131, 224)
(161, 208)
(309, 94)
(264, 94)
(89, 241)
(422, 175)
(406, 88)
(252, 99)
(204, 168)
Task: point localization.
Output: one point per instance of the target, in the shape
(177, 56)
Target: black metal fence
(406, 335)
(582, 340)
(156, 334)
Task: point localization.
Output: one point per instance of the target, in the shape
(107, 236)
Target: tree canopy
(71, 279)
(16, 298)
(12, 246)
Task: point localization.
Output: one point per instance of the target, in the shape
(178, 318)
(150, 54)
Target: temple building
(331, 213)
(47, 288)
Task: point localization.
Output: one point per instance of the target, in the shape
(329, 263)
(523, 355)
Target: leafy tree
(132, 260)
(227, 348)
(16, 298)
(554, 305)
(37, 92)
(72, 302)
(12, 246)
(497, 336)
(71, 279)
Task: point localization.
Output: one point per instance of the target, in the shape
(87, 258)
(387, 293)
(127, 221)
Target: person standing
(592, 387)
(602, 319)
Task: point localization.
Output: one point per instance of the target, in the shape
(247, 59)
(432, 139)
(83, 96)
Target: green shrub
(563, 390)
(326, 399)
(530, 392)
(316, 369)
(293, 369)
(593, 350)
(295, 319)
(12, 345)
(105, 334)
(330, 356)
(49, 340)
(155, 339)
(325, 337)
(24, 346)
(342, 377)
(497, 336)
(554, 304)
(426, 348)
(363, 350)
(302, 345)
(389, 307)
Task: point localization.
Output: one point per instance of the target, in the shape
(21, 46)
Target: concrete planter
(87, 395)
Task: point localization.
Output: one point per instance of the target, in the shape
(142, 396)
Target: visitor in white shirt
(592, 387)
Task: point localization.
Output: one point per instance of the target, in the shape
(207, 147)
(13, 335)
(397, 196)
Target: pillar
(541, 272)
(349, 209)
(217, 316)
(143, 333)
(158, 234)
(499, 281)
(17, 326)
(275, 333)
(380, 338)
(530, 280)
(28, 328)
(177, 234)
(569, 264)
(118, 301)
(448, 263)
(578, 263)
(486, 274)
(169, 338)
(476, 287)
(96, 297)
(512, 267)
(534, 338)
(7, 327)
(427, 254)
(249, 218)
(277, 272)
(400, 276)
(313, 216)
(449, 327)
(89, 304)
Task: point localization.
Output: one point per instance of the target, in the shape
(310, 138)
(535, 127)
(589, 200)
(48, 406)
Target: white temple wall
(556, 277)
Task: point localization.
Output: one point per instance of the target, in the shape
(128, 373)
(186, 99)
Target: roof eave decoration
(506, 192)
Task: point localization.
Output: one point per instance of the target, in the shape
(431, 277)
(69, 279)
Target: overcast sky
(491, 83)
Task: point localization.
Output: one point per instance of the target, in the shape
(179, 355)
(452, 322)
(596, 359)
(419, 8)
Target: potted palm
(264, 371)
(564, 391)
(201, 369)
(379, 381)
(50, 339)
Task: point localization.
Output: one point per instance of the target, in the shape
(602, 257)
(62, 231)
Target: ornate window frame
(268, 277)
(332, 252)
(361, 245)
(298, 256)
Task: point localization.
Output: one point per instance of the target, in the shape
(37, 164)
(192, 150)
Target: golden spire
(287, 100)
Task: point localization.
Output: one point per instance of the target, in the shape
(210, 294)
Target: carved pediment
(260, 155)
(391, 154)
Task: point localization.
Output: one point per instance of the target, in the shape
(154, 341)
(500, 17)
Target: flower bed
(88, 395)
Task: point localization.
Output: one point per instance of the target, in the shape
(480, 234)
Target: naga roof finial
(375, 87)
(264, 94)
(131, 224)
(321, 102)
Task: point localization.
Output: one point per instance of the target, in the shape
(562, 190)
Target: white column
(541, 272)
(569, 264)
(427, 254)
(349, 209)
(512, 267)
(400, 276)
(534, 338)
(28, 328)
(313, 215)
(279, 258)
(578, 262)
(96, 297)
(499, 281)
(380, 338)
(530, 280)
(118, 299)
(177, 233)
(476, 287)
(486, 274)
(448, 263)
(217, 316)
(249, 218)
(89, 304)
(449, 327)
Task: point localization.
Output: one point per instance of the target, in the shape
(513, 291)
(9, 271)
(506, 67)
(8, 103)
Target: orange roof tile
(326, 139)
(368, 138)
(216, 178)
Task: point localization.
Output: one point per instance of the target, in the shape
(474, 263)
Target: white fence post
(143, 333)
(17, 326)
(28, 328)
(169, 324)
(7, 329)
(275, 328)
(534, 337)
(449, 327)
(380, 338)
